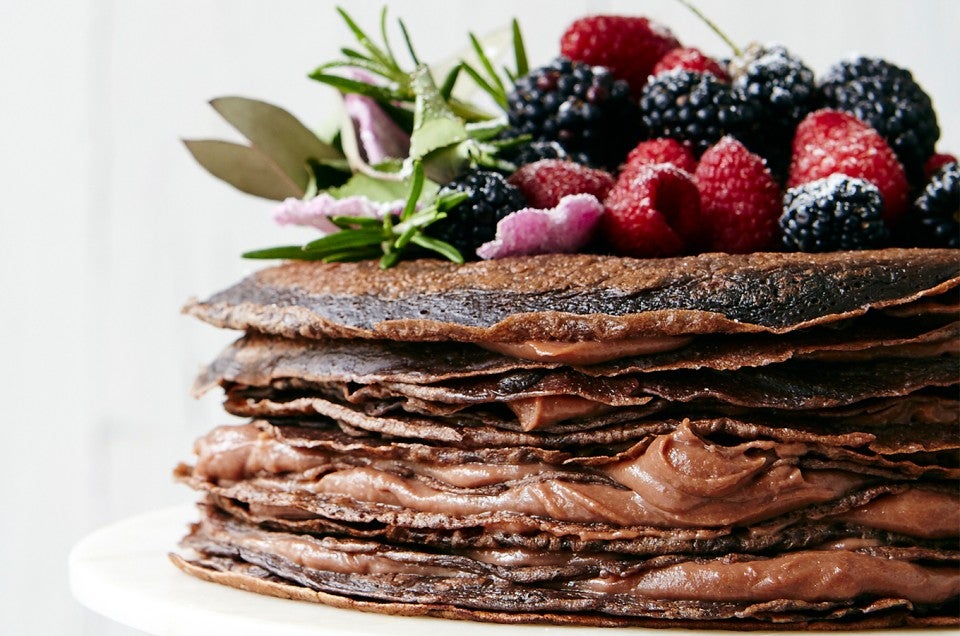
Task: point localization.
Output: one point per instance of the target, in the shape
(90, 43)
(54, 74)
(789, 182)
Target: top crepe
(577, 297)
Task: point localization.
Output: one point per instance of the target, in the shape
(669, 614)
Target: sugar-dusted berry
(835, 213)
(545, 182)
(830, 142)
(739, 197)
(654, 213)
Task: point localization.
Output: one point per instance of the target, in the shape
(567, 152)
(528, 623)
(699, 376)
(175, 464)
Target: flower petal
(380, 137)
(316, 212)
(563, 229)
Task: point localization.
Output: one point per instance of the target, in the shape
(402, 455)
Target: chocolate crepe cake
(764, 440)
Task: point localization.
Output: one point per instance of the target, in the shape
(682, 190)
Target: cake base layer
(870, 586)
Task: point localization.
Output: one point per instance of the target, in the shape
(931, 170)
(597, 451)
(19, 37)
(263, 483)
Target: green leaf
(435, 245)
(353, 222)
(371, 66)
(486, 86)
(435, 126)
(435, 135)
(501, 92)
(409, 43)
(354, 54)
(275, 133)
(487, 130)
(385, 36)
(245, 168)
(285, 251)
(360, 254)
(416, 189)
(519, 50)
(406, 237)
(389, 259)
(496, 44)
(378, 189)
(344, 240)
(450, 81)
(347, 85)
(449, 201)
(365, 41)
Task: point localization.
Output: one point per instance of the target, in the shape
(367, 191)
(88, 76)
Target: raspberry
(829, 142)
(664, 150)
(581, 107)
(740, 199)
(693, 107)
(629, 46)
(690, 59)
(474, 221)
(656, 213)
(836, 213)
(936, 161)
(935, 221)
(545, 182)
(887, 98)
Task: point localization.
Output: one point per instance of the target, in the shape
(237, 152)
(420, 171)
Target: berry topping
(547, 181)
(690, 59)
(693, 107)
(829, 142)
(537, 150)
(629, 46)
(474, 221)
(656, 213)
(778, 81)
(739, 198)
(835, 213)
(886, 97)
(663, 150)
(936, 217)
(580, 106)
(936, 161)
(782, 88)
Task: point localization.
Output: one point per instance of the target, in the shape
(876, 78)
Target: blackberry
(537, 150)
(936, 218)
(783, 91)
(581, 107)
(694, 107)
(886, 97)
(474, 221)
(836, 213)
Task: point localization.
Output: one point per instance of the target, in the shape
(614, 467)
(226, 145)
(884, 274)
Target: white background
(108, 226)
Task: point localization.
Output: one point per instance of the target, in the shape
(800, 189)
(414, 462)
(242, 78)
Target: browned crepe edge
(411, 281)
(298, 593)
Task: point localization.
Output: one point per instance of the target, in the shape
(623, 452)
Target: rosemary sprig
(487, 78)
(362, 238)
(379, 60)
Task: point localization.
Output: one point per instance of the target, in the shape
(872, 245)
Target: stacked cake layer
(768, 440)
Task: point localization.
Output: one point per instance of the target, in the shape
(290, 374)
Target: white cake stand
(122, 572)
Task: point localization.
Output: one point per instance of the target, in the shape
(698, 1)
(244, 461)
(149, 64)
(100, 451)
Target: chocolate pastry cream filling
(678, 480)
(808, 575)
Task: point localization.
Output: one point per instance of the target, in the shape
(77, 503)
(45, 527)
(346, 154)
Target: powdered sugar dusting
(563, 229)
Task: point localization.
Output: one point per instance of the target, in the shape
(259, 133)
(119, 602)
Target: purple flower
(563, 229)
(316, 212)
(378, 136)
